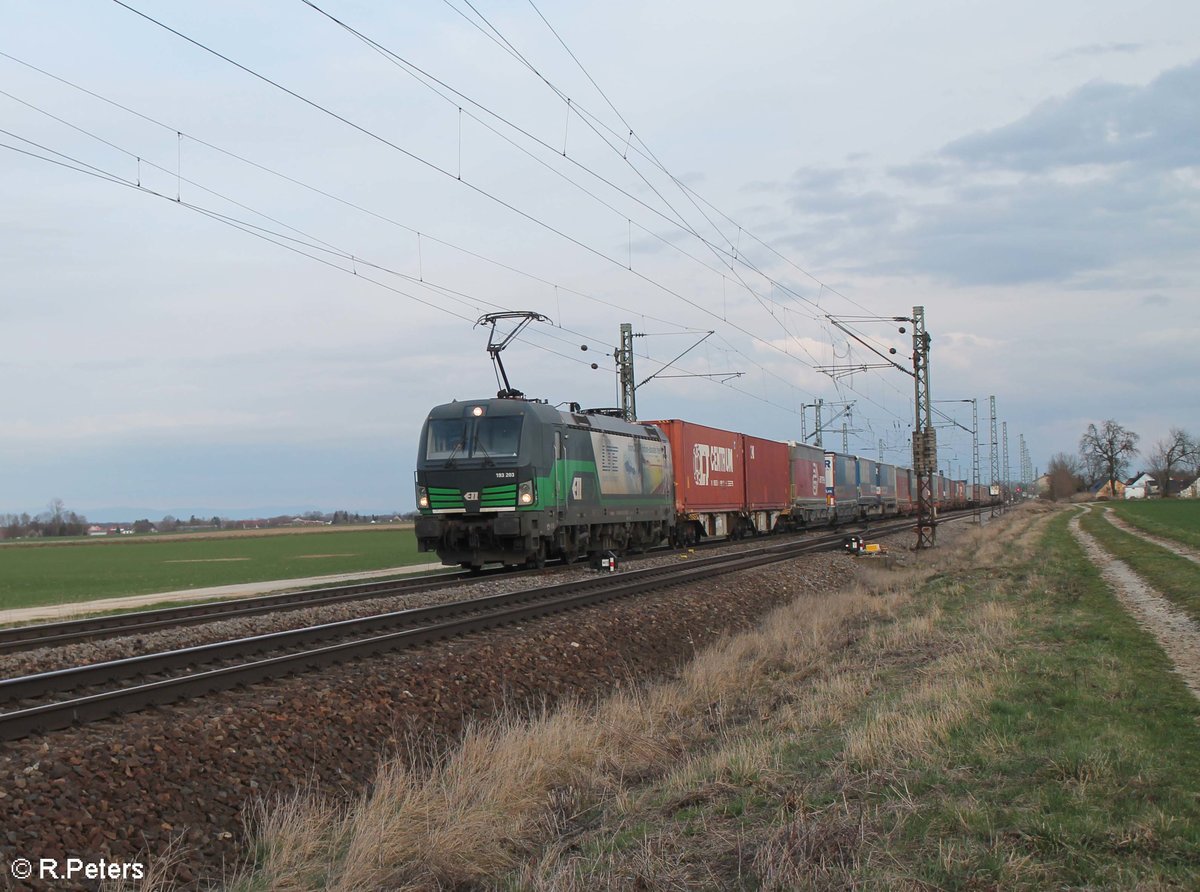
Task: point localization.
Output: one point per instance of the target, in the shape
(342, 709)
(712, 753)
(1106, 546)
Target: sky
(243, 246)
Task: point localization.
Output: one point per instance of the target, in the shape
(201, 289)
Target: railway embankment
(983, 714)
(179, 778)
(986, 715)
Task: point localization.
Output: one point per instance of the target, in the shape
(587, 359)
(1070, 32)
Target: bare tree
(1108, 449)
(1063, 476)
(1176, 449)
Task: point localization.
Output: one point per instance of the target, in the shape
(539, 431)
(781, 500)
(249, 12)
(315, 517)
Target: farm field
(1177, 519)
(69, 572)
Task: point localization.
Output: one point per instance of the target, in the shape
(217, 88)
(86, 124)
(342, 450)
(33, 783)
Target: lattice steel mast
(924, 435)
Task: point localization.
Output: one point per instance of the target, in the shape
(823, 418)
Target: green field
(1172, 575)
(83, 570)
(1177, 519)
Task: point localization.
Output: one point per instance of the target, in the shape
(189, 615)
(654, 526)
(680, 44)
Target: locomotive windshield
(446, 437)
(498, 436)
(494, 437)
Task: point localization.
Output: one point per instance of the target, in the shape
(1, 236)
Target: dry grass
(499, 802)
(161, 870)
(486, 805)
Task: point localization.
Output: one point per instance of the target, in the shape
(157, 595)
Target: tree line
(56, 520)
(1106, 454)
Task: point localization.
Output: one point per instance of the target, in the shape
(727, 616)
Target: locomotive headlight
(477, 411)
(525, 493)
(422, 497)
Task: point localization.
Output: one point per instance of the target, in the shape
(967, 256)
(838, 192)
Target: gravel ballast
(187, 772)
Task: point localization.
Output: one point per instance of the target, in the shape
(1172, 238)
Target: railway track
(65, 632)
(54, 700)
(56, 634)
(17, 638)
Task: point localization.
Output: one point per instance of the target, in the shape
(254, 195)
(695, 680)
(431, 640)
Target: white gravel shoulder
(1176, 632)
(238, 590)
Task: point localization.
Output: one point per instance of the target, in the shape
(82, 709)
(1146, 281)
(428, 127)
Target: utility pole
(1026, 469)
(977, 512)
(1007, 488)
(624, 358)
(924, 435)
(819, 431)
(994, 460)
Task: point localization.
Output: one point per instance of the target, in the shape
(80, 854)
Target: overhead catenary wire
(737, 255)
(742, 329)
(425, 78)
(315, 190)
(431, 165)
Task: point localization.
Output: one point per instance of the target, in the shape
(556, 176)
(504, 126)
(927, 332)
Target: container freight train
(516, 481)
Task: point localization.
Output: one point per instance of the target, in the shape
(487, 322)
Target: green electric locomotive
(517, 481)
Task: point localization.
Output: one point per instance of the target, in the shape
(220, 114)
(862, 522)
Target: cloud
(1153, 126)
(1100, 182)
(1098, 49)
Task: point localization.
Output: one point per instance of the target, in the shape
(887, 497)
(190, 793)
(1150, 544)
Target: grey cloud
(1067, 193)
(1043, 230)
(1100, 123)
(924, 173)
(1099, 49)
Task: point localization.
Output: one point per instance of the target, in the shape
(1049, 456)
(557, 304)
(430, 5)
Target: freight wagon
(517, 481)
(809, 504)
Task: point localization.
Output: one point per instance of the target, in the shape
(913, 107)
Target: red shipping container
(906, 498)
(766, 473)
(708, 466)
(808, 474)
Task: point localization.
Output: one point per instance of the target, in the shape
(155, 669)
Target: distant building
(1102, 490)
(1143, 486)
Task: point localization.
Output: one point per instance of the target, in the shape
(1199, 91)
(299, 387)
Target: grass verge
(1175, 577)
(989, 718)
(1177, 519)
(67, 573)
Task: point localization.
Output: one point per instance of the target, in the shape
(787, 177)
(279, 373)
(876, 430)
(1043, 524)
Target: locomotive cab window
(489, 437)
(447, 437)
(497, 436)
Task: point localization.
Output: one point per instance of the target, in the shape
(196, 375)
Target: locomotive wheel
(537, 560)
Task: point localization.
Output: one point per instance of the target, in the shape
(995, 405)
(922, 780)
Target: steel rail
(506, 608)
(26, 637)
(62, 632)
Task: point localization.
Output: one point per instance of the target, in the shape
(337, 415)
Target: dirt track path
(1170, 544)
(1177, 633)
